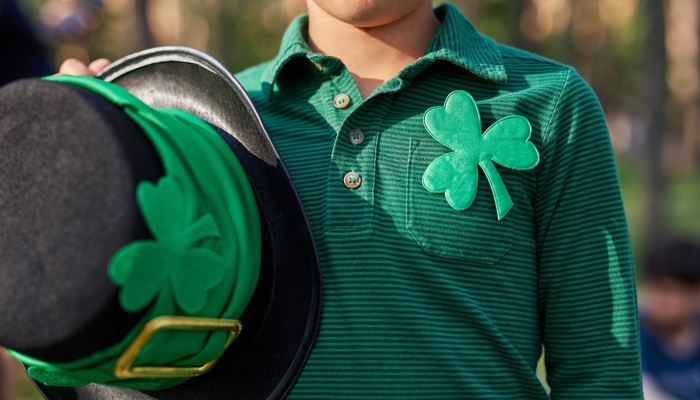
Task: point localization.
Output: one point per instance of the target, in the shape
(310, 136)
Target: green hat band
(204, 260)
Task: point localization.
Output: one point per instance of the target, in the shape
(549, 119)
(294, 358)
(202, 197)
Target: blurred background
(640, 56)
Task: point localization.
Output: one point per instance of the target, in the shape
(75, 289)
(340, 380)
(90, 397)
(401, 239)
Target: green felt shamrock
(144, 268)
(457, 125)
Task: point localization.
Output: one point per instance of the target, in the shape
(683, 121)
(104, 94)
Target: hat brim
(281, 321)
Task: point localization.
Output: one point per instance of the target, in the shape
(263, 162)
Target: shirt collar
(456, 41)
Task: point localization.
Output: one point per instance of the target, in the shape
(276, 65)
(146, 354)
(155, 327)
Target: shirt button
(352, 180)
(341, 100)
(356, 136)
(318, 66)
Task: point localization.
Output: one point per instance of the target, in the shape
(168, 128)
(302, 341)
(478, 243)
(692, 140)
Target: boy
(670, 331)
(378, 108)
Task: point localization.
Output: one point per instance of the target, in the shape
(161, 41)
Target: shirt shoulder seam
(555, 111)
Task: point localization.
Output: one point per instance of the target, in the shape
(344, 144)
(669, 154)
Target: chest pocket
(474, 234)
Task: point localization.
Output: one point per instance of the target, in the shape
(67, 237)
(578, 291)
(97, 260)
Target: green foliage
(682, 204)
(499, 20)
(681, 213)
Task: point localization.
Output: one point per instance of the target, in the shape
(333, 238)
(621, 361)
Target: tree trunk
(655, 93)
(144, 38)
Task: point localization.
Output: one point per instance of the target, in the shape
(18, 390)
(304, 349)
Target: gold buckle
(125, 370)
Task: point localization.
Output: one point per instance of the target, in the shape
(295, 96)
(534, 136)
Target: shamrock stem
(500, 192)
(204, 227)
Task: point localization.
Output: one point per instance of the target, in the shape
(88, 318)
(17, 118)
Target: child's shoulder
(250, 77)
(514, 55)
(523, 65)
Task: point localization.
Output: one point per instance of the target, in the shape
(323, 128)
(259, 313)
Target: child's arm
(587, 299)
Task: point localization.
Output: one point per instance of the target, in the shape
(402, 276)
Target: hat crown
(70, 161)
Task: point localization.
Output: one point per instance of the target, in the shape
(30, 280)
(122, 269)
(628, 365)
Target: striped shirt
(423, 301)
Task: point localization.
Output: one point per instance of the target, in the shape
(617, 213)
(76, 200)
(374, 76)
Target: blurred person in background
(64, 21)
(23, 54)
(670, 322)
(26, 46)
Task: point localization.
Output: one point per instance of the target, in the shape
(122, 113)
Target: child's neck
(373, 55)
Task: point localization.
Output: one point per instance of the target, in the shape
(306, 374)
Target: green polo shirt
(423, 301)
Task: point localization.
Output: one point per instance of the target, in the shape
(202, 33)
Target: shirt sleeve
(586, 296)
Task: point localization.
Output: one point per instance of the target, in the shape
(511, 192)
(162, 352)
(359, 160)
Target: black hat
(71, 160)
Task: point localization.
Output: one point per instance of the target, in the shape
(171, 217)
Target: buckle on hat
(124, 368)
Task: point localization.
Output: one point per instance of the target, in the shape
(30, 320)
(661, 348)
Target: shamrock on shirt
(457, 125)
(145, 268)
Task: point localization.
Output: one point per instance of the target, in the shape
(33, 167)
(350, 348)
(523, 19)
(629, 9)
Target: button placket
(342, 99)
(352, 176)
(350, 185)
